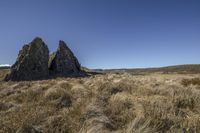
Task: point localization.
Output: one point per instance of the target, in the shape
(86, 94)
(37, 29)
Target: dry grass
(3, 73)
(109, 103)
(192, 81)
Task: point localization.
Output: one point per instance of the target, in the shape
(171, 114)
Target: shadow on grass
(82, 74)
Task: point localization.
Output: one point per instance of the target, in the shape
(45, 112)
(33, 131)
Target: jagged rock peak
(62, 44)
(63, 62)
(31, 63)
(37, 39)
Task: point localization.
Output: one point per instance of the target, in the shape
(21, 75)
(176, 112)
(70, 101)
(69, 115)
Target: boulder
(63, 62)
(32, 62)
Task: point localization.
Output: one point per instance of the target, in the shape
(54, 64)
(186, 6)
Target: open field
(103, 103)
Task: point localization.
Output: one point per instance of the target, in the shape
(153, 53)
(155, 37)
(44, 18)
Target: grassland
(179, 69)
(112, 102)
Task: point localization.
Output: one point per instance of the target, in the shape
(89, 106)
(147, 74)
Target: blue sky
(106, 33)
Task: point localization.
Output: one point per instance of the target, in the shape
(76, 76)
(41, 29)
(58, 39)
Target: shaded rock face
(63, 62)
(32, 62)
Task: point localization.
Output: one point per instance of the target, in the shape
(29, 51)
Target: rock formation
(63, 62)
(32, 62)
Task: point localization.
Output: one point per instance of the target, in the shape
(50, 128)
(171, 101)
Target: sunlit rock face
(32, 62)
(63, 62)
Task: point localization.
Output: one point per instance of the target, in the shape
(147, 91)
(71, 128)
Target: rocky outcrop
(32, 62)
(63, 62)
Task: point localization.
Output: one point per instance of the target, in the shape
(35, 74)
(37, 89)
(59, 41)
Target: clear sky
(106, 33)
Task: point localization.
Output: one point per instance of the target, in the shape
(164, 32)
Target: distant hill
(181, 69)
(5, 66)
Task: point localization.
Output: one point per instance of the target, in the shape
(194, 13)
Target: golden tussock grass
(107, 103)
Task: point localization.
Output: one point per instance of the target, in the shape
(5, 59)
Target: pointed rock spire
(32, 62)
(63, 62)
